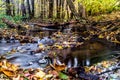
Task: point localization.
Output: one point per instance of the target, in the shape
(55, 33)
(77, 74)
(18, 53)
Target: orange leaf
(9, 73)
(59, 67)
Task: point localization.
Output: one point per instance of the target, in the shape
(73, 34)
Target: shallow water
(89, 54)
(85, 55)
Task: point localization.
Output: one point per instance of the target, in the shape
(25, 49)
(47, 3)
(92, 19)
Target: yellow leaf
(14, 67)
(58, 67)
(100, 36)
(26, 26)
(40, 74)
(103, 29)
(59, 47)
(41, 46)
(11, 66)
(9, 73)
(116, 41)
(86, 69)
(16, 78)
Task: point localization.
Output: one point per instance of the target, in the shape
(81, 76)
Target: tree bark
(23, 10)
(8, 8)
(62, 12)
(58, 8)
(33, 8)
(42, 9)
(29, 10)
(72, 8)
(81, 10)
(51, 8)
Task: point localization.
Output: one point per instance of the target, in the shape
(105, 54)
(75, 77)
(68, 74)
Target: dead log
(55, 25)
(11, 24)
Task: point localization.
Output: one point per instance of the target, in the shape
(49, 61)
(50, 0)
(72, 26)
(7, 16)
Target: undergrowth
(15, 19)
(95, 7)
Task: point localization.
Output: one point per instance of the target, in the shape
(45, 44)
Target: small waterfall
(75, 62)
(69, 65)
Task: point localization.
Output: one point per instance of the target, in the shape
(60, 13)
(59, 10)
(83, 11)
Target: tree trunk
(23, 9)
(62, 12)
(51, 2)
(42, 9)
(58, 8)
(13, 8)
(8, 8)
(72, 8)
(81, 10)
(29, 10)
(33, 8)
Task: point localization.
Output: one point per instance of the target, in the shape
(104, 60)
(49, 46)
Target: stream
(90, 53)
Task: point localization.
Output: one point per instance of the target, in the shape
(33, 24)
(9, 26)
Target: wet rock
(25, 60)
(3, 40)
(46, 41)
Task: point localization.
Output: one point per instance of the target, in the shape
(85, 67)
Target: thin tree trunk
(62, 10)
(81, 10)
(29, 10)
(23, 10)
(42, 9)
(58, 8)
(33, 8)
(51, 2)
(8, 8)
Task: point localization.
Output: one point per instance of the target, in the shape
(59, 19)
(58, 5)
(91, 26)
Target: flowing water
(86, 55)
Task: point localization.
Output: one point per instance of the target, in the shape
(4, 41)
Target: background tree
(8, 7)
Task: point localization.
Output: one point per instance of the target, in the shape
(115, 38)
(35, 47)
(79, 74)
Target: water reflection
(86, 55)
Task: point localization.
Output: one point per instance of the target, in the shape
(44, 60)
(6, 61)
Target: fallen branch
(11, 24)
(56, 24)
(109, 70)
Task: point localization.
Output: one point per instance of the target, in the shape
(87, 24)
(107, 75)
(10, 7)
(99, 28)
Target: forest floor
(103, 27)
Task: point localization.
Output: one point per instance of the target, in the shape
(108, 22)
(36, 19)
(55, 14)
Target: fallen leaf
(16, 78)
(100, 36)
(59, 47)
(60, 67)
(40, 74)
(9, 73)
